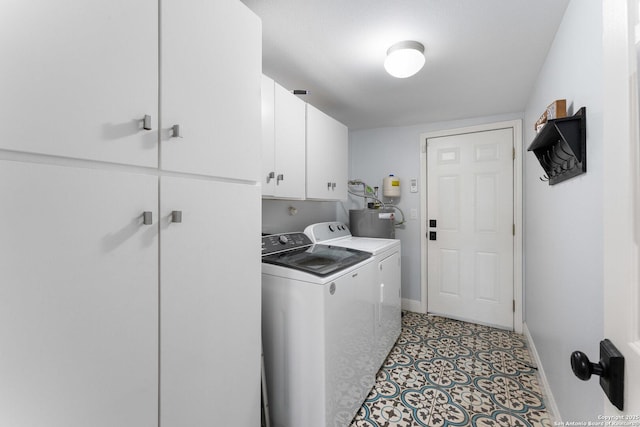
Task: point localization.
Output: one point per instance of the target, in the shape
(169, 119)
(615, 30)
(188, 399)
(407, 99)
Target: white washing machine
(385, 289)
(317, 331)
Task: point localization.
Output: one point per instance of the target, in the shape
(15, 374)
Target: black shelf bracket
(561, 147)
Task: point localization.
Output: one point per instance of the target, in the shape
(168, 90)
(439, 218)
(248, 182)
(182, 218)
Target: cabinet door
(268, 137)
(349, 337)
(210, 304)
(327, 156)
(78, 79)
(289, 144)
(78, 297)
(211, 69)
(389, 306)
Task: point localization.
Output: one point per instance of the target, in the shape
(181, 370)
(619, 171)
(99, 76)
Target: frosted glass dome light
(404, 59)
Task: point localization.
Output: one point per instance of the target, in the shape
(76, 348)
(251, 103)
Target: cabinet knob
(176, 132)
(147, 218)
(176, 216)
(582, 366)
(146, 122)
(270, 176)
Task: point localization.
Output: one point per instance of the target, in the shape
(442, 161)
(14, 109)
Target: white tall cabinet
(129, 257)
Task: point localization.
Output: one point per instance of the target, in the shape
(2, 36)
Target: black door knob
(610, 368)
(583, 368)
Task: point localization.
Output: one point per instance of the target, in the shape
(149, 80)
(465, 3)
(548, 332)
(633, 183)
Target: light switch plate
(413, 187)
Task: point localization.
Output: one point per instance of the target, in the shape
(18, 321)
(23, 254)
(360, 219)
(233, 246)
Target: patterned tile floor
(444, 372)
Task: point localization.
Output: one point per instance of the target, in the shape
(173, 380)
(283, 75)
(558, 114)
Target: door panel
(487, 277)
(449, 203)
(78, 297)
(486, 190)
(470, 194)
(450, 272)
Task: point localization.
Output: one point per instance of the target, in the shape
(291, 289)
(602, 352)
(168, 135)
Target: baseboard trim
(550, 402)
(412, 305)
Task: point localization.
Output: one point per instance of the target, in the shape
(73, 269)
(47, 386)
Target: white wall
(563, 223)
(375, 153)
(277, 217)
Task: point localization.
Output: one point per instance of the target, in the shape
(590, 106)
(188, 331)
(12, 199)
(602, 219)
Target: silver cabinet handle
(270, 176)
(333, 185)
(279, 178)
(176, 132)
(147, 218)
(176, 216)
(146, 122)
(328, 186)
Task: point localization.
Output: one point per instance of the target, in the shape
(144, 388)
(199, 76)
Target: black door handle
(432, 235)
(610, 368)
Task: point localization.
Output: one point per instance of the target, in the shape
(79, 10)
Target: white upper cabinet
(327, 156)
(78, 79)
(211, 67)
(283, 142)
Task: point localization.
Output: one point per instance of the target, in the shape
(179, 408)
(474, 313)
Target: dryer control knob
(283, 239)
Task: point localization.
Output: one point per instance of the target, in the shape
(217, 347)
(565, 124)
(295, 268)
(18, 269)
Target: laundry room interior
(245, 213)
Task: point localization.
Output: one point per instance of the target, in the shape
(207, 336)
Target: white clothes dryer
(386, 285)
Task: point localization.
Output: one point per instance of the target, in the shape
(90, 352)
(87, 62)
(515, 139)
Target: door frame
(518, 294)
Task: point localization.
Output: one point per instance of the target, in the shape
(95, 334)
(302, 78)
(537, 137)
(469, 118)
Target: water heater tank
(391, 186)
(372, 223)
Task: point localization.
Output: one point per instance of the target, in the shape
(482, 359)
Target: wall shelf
(561, 147)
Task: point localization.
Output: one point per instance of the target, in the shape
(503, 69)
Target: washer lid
(319, 260)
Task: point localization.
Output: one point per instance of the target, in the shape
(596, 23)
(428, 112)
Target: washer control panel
(327, 230)
(274, 243)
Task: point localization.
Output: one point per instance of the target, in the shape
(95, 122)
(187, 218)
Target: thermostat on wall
(413, 186)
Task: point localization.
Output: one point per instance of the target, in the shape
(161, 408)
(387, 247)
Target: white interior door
(622, 199)
(470, 246)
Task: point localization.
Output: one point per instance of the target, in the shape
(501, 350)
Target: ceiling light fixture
(404, 59)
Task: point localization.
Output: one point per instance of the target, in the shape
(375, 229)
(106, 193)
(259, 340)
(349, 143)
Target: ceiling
(482, 56)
